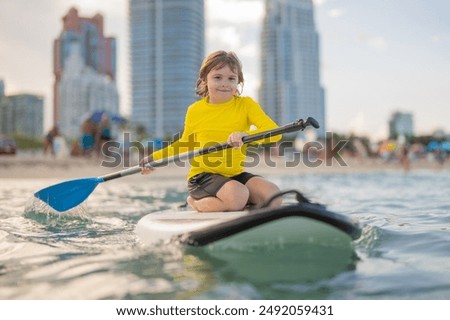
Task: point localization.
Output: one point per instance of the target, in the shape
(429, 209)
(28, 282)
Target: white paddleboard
(165, 225)
(281, 226)
(292, 243)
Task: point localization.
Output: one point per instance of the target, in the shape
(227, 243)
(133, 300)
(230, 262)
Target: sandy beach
(30, 167)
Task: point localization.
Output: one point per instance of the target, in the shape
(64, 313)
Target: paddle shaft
(292, 127)
(66, 195)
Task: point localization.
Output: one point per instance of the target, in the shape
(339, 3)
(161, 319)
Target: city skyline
(376, 57)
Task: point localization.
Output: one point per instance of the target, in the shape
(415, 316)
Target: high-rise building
(83, 91)
(290, 68)
(97, 52)
(167, 48)
(2, 88)
(22, 114)
(401, 124)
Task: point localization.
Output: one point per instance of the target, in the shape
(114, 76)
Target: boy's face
(222, 84)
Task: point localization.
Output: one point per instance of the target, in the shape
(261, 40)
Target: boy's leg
(232, 196)
(262, 190)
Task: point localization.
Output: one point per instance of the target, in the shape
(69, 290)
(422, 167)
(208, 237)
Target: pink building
(98, 51)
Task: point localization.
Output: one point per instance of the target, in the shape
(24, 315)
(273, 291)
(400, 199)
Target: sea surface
(93, 252)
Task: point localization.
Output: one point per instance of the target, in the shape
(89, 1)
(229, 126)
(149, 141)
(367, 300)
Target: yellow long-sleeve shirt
(209, 124)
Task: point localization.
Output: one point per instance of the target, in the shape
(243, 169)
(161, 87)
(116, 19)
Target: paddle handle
(297, 125)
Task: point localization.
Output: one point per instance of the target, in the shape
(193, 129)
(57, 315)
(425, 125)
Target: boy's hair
(217, 60)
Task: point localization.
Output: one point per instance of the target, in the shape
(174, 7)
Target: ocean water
(93, 253)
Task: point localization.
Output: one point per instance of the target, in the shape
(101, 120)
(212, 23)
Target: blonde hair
(218, 60)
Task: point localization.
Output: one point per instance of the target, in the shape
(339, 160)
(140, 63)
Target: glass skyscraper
(290, 75)
(167, 48)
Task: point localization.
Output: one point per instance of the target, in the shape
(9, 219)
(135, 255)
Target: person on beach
(49, 142)
(88, 134)
(103, 135)
(217, 181)
(404, 157)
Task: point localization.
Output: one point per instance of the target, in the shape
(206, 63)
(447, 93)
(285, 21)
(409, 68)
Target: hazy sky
(377, 56)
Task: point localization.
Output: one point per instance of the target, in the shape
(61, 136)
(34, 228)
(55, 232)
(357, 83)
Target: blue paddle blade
(66, 195)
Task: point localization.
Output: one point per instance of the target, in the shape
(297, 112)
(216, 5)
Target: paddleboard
(304, 223)
(295, 243)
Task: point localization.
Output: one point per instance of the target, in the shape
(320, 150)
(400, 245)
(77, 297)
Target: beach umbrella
(445, 146)
(97, 116)
(433, 145)
(118, 119)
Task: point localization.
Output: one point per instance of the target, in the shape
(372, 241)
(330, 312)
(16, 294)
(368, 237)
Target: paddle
(66, 195)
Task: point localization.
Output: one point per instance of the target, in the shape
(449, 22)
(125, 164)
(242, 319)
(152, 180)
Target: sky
(377, 57)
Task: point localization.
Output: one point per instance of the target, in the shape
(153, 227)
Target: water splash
(42, 213)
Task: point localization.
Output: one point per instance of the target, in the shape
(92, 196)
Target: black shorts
(207, 184)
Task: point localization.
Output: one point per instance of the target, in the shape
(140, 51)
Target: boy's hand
(235, 139)
(146, 170)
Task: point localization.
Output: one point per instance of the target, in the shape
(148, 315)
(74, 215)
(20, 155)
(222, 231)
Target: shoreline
(35, 167)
